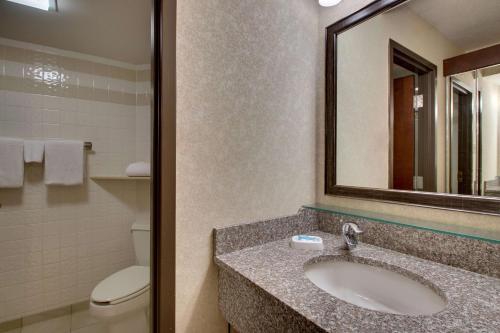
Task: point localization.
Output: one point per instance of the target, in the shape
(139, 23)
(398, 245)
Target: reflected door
(412, 114)
(462, 101)
(404, 140)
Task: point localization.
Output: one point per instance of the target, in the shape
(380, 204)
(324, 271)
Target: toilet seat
(122, 285)
(122, 292)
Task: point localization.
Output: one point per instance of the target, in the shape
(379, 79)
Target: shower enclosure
(75, 87)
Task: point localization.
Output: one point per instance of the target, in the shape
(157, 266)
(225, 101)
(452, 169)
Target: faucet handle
(352, 227)
(350, 231)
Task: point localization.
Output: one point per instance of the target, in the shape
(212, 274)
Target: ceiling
(469, 24)
(114, 29)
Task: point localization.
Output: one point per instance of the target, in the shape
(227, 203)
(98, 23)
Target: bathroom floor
(74, 319)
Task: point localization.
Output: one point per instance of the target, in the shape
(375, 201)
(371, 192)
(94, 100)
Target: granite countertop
(473, 300)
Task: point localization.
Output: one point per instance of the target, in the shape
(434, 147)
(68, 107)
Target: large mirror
(413, 101)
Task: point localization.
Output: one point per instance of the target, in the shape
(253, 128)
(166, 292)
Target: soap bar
(306, 242)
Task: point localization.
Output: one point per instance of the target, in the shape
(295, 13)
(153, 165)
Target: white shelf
(118, 178)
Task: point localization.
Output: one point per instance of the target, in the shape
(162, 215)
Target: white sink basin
(374, 288)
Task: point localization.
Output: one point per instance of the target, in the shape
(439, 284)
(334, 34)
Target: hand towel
(33, 151)
(64, 162)
(138, 169)
(11, 163)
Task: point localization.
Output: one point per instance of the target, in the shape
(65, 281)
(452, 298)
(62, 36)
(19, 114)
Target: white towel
(138, 169)
(33, 151)
(63, 162)
(11, 163)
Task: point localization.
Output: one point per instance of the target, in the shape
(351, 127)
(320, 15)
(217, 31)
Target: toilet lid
(121, 284)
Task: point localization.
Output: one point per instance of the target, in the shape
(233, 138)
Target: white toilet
(122, 299)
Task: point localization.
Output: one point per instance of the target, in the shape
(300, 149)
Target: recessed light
(328, 3)
(39, 4)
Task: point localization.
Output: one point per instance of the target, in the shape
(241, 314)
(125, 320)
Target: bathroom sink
(374, 288)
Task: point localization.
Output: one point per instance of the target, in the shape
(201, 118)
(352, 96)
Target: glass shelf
(489, 234)
(118, 178)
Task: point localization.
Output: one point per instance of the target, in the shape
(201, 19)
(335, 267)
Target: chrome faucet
(350, 232)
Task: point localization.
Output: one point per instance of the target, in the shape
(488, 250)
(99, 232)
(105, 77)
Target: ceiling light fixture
(39, 4)
(329, 3)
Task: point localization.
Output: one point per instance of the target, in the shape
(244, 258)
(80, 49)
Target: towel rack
(87, 145)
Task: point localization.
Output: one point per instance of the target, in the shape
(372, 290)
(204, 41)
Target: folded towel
(63, 162)
(11, 163)
(33, 151)
(138, 169)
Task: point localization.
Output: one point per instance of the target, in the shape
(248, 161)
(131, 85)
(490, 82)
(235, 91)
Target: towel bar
(87, 145)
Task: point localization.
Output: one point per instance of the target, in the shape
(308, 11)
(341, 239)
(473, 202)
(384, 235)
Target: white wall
(363, 96)
(490, 95)
(245, 130)
(498, 138)
(57, 243)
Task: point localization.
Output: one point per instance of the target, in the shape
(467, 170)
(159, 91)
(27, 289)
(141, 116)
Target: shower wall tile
(57, 243)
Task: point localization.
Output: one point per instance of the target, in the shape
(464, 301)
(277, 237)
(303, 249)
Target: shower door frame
(163, 173)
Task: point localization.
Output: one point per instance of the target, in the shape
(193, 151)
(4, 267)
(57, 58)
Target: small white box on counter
(306, 242)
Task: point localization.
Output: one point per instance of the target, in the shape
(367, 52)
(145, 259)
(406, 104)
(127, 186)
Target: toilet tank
(141, 239)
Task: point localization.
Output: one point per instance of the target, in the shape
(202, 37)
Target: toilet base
(129, 316)
(135, 322)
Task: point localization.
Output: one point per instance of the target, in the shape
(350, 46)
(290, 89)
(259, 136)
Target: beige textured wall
(363, 104)
(326, 18)
(245, 131)
(249, 143)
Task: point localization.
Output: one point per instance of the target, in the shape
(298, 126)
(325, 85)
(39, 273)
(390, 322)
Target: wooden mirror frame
(485, 205)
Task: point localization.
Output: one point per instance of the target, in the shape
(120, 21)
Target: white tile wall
(70, 319)
(56, 325)
(143, 131)
(20, 70)
(57, 243)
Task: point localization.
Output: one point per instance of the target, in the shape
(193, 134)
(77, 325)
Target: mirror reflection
(474, 132)
(402, 122)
